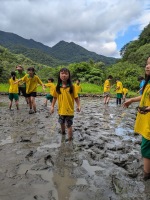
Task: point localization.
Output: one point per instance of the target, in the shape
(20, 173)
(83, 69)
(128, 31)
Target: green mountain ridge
(60, 54)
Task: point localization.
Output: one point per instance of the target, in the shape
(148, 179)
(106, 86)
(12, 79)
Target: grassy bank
(87, 88)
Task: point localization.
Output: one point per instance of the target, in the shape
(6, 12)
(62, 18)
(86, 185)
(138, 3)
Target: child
(66, 93)
(142, 124)
(22, 86)
(51, 85)
(124, 93)
(142, 82)
(78, 87)
(31, 81)
(119, 88)
(107, 89)
(13, 91)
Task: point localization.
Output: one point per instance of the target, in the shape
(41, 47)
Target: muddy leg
(10, 104)
(33, 103)
(146, 168)
(17, 104)
(69, 129)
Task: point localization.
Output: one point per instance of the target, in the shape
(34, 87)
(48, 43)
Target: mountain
(61, 54)
(137, 51)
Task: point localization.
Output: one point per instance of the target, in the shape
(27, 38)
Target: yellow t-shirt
(107, 86)
(51, 86)
(120, 87)
(142, 124)
(78, 88)
(31, 83)
(124, 91)
(13, 88)
(66, 101)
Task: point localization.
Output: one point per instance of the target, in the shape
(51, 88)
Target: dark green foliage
(138, 51)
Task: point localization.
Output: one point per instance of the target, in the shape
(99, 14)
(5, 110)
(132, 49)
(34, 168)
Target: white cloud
(93, 24)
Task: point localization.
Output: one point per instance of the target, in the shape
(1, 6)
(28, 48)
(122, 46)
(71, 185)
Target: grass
(87, 88)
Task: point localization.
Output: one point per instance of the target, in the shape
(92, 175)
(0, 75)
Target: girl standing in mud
(142, 124)
(13, 90)
(32, 82)
(66, 93)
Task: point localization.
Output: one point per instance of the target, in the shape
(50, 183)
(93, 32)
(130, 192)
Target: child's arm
(77, 100)
(53, 104)
(135, 99)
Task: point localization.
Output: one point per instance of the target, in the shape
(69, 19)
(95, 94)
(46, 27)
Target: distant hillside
(137, 51)
(60, 54)
(71, 52)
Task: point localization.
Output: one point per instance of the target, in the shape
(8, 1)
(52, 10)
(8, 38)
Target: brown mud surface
(104, 162)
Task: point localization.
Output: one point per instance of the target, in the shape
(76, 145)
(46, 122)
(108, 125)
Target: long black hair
(147, 78)
(69, 82)
(13, 75)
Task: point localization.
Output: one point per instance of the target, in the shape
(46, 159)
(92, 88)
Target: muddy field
(104, 162)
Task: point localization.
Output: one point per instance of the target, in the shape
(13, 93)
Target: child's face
(147, 70)
(64, 76)
(30, 72)
(77, 82)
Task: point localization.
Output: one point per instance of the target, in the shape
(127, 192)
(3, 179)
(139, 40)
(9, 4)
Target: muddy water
(104, 162)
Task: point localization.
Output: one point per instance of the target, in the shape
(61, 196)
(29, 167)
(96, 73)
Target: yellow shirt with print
(31, 83)
(13, 88)
(65, 101)
(51, 86)
(107, 86)
(124, 91)
(119, 86)
(78, 88)
(142, 124)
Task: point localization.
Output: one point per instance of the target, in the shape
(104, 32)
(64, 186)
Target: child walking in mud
(66, 93)
(107, 87)
(13, 91)
(78, 87)
(49, 96)
(142, 124)
(32, 82)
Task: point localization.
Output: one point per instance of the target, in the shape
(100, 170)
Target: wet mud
(103, 163)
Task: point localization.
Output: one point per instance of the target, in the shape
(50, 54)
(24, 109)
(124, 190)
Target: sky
(101, 26)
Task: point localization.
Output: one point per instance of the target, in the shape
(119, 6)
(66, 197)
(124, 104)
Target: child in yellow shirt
(125, 93)
(32, 81)
(107, 87)
(78, 87)
(142, 124)
(49, 96)
(119, 88)
(13, 91)
(66, 94)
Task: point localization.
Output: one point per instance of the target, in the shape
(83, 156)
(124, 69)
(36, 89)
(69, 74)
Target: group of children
(66, 93)
(121, 93)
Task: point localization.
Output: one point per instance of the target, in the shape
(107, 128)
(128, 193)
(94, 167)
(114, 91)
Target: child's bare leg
(107, 99)
(33, 103)
(63, 129)
(30, 103)
(17, 104)
(146, 168)
(10, 105)
(70, 134)
(146, 165)
(45, 102)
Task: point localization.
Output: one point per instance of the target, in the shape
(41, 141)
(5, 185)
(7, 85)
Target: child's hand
(78, 109)
(51, 110)
(127, 103)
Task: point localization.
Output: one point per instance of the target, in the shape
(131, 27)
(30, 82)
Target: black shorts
(23, 91)
(32, 94)
(68, 120)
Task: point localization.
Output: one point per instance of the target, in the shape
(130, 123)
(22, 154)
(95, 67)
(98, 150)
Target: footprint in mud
(79, 188)
(48, 160)
(24, 140)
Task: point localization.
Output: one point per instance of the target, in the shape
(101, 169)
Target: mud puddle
(104, 162)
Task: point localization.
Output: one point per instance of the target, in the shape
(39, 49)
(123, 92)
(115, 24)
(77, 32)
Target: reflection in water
(62, 174)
